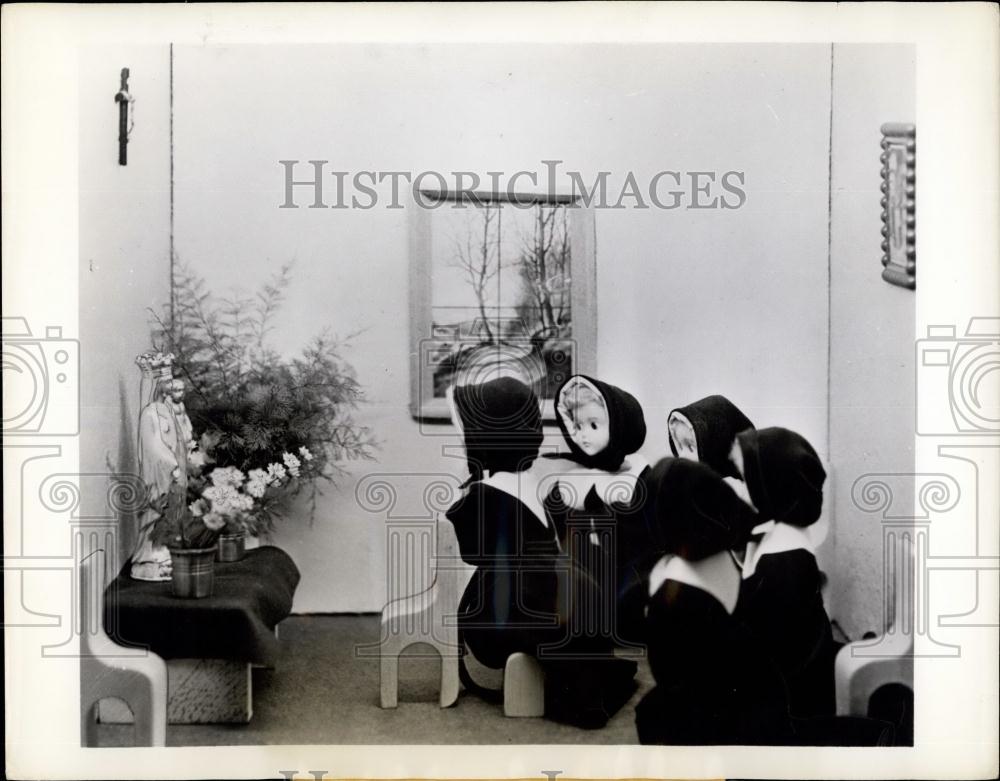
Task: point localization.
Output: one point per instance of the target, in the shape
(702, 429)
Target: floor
(324, 692)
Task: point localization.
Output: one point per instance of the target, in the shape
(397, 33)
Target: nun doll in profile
(705, 431)
(524, 592)
(780, 598)
(714, 685)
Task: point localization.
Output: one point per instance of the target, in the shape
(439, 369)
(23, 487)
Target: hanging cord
(172, 280)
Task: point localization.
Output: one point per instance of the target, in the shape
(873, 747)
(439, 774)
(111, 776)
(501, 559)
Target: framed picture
(500, 285)
(899, 247)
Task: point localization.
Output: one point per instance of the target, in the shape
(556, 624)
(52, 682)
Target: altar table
(209, 644)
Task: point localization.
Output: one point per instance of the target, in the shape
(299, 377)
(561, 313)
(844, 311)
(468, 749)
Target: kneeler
(431, 617)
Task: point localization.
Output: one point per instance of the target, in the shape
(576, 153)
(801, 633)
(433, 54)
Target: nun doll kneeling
(705, 431)
(598, 493)
(524, 594)
(780, 598)
(714, 685)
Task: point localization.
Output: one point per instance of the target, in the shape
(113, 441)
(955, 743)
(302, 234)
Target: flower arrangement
(270, 425)
(233, 501)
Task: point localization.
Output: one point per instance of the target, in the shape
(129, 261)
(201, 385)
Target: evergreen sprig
(255, 403)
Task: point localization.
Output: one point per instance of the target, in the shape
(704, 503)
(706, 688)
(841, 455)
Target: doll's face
(736, 456)
(682, 435)
(589, 428)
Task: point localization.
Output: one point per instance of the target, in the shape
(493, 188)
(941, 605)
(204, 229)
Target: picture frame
(494, 339)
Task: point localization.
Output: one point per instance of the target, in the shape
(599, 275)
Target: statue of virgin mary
(163, 449)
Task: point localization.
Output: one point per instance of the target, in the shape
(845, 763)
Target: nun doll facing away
(714, 685)
(597, 495)
(524, 594)
(780, 599)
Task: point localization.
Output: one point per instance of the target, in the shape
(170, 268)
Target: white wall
(872, 379)
(688, 302)
(124, 251)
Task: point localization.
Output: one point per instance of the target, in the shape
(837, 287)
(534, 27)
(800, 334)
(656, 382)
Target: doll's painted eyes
(592, 424)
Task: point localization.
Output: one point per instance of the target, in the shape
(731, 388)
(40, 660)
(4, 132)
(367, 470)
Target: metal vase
(193, 572)
(232, 547)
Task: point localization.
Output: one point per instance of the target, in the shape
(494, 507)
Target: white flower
(304, 452)
(227, 475)
(256, 488)
(215, 497)
(292, 463)
(276, 472)
(227, 501)
(214, 521)
(197, 508)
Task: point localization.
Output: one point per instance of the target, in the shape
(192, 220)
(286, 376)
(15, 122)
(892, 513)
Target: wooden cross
(123, 98)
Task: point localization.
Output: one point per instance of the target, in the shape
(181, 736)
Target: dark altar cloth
(236, 622)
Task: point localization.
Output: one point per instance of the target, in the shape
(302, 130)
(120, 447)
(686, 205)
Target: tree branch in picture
(544, 268)
(479, 259)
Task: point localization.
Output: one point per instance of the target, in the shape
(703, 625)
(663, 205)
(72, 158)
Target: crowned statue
(165, 439)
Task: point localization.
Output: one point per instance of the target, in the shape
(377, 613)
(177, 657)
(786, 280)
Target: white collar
(717, 575)
(782, 537)
(577, 480)
(523, 486)
(657, 573)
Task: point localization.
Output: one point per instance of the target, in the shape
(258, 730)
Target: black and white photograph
(427, 391)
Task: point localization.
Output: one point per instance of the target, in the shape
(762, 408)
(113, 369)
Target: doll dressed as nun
(714, 684)
(780, 599)
(596, 494)
(705, 431)
(525, 595)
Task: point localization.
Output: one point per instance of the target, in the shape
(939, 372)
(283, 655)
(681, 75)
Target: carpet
(322, 692)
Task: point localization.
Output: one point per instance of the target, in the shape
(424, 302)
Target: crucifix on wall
(124, 100)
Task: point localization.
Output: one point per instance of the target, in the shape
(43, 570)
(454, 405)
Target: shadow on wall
(126, 464)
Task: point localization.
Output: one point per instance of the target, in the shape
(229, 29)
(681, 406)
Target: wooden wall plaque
(899, 247)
